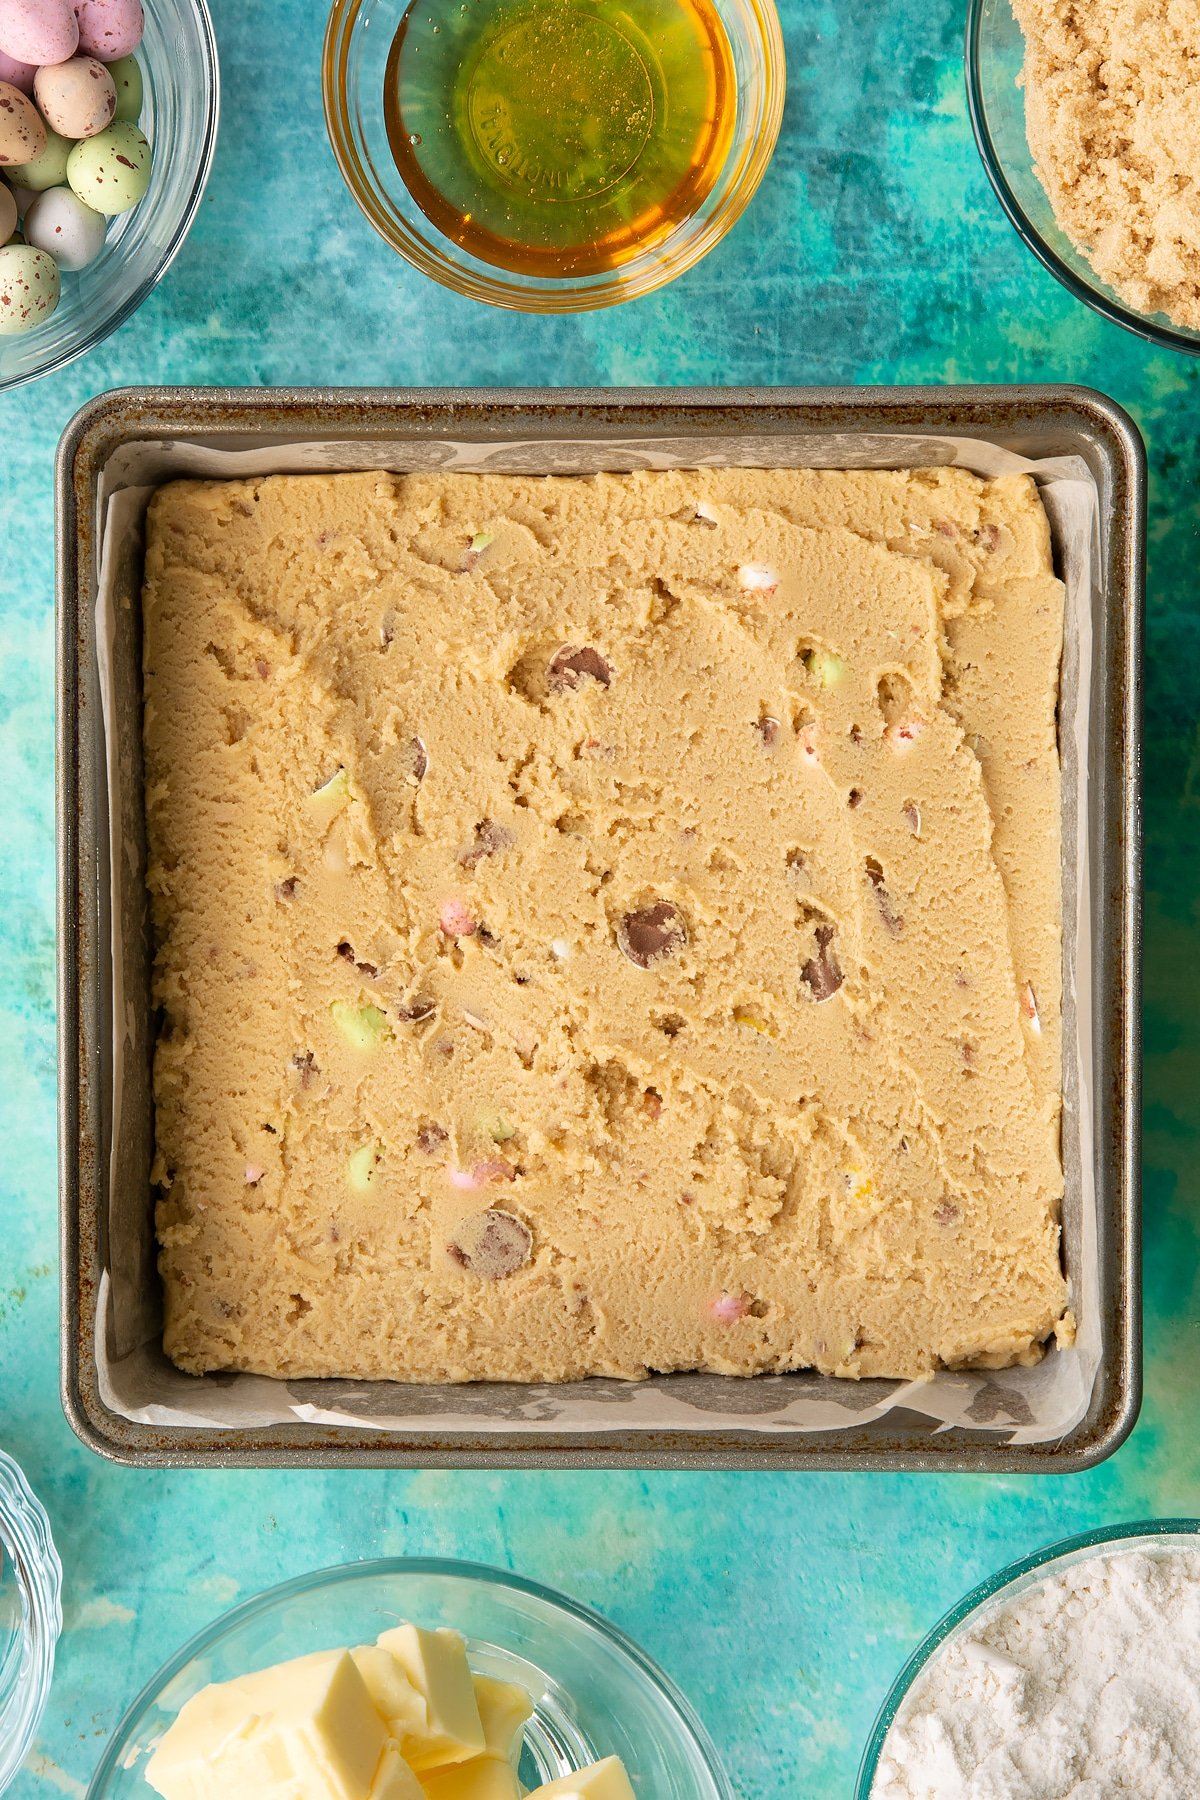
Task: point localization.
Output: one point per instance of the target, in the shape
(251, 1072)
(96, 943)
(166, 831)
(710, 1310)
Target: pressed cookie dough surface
(605, 925)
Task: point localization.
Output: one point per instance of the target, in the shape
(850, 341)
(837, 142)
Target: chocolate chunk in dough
(821, 974)
(491, 1244)
(570, 667)
(652, 933)
(490, 839)
(415, 760)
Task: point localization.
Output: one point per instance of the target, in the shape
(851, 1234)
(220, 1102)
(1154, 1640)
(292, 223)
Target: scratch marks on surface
(43, 1769)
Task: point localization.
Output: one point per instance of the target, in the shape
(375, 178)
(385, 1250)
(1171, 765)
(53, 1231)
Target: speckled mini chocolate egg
(47, 169)
(28, 288)
(38, 31)
(22, 134)
(77, 98)
(109, 28)
(110, 172)
(17, 74)
(59, 222)
(127, 79)
(8, 213)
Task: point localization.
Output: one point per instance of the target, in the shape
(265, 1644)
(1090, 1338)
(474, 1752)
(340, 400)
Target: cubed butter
(503, 1710)
(210, 1725)
(483, 1778)
(394, 1780)
(436, 1664)
(306, 1729)
(605, 1780)
(395, 1698)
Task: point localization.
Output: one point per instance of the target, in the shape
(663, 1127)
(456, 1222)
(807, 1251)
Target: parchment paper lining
(138, 1383)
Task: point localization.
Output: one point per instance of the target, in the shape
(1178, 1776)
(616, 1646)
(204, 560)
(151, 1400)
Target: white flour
(1085, 1687)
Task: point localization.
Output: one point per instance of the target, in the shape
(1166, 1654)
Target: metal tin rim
(169, 412)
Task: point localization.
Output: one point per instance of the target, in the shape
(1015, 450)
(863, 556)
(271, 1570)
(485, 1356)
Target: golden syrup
(559, 137)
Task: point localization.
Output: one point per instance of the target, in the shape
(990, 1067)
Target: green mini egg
(127, 79)
(47, 170)
(111, 171)
(28, 288)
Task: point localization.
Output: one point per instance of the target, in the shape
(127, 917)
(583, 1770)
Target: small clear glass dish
(178, 58)
(995, 55)
(595, 1693)
(357, 44)
(998, 1589)
(30, 1616)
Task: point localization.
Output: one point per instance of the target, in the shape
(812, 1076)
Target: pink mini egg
(456, 919)
(17, 74)
(77, 98)
(728, 1309)
(38, 31)
(109, 29)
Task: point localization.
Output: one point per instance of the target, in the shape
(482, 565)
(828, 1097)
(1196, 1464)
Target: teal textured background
(874, 252)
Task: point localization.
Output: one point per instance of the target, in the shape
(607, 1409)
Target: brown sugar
(1113, 120)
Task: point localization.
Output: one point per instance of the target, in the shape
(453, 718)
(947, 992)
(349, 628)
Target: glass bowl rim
(641, 275)
(104, 328)
(1143, 325)
(993, 1588)
(38, 1574)
(336, 1573)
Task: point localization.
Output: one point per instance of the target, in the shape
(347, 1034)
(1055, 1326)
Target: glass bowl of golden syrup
(553, 155)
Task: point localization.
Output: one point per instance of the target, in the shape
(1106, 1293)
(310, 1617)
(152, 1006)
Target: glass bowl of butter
(410, 1679)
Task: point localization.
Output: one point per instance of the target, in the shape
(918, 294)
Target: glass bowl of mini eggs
(108, 123)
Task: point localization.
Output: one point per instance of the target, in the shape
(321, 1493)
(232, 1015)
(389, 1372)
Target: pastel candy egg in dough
(127, 79)
(17, 74)
(59, 222)
(22, 134)
(28, 288)
(38, 31)
(111, 172)
(48, 169)
(109, 29)
(8, 213)
(77, 98)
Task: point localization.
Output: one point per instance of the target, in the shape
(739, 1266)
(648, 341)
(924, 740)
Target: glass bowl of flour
(1073, 1674)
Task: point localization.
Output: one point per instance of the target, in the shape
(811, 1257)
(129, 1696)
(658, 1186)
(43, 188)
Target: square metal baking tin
(838, 425)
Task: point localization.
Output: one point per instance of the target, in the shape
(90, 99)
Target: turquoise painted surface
(874, 252)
